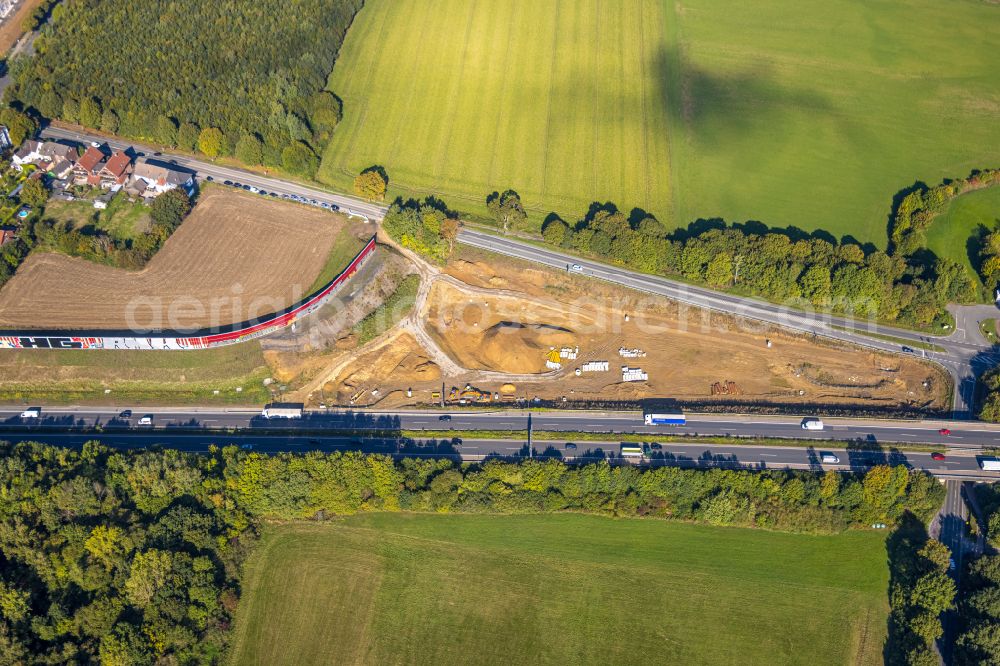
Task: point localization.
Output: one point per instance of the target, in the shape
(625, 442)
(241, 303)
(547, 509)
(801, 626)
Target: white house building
(151, 179)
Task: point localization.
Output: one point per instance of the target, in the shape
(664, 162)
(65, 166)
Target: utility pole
(529, 435)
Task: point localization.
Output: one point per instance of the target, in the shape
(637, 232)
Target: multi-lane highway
(957, 464)
(965, 354)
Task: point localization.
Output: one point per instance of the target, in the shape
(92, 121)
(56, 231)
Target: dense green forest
(134, 557)
(223, 77)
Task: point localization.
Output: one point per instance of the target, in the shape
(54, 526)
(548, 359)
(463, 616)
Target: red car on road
(944, 431)
(937, 456)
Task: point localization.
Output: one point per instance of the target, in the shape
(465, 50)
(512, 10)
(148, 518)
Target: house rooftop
(28, 147)
(160, 173)
(118, 163)
(54, 150)
(91, 158)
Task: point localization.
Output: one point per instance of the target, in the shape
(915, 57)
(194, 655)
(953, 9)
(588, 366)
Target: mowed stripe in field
(557, 99)
(461, 589)
(774, 111)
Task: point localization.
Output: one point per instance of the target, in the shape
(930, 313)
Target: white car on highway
(812, 423)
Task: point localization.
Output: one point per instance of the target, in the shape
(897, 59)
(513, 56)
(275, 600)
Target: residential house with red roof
(87, 169)
(116, 170)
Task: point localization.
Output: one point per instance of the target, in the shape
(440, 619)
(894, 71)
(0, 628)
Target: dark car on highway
(444, 417)
(570, 446)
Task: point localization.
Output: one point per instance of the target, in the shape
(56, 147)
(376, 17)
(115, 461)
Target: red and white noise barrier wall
(165, 340)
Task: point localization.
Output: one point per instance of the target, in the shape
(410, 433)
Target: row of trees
(789, 266)
(225, 78)
(920, 590)
(990, 409)
(426, 227)
(135, 557)
(37, 17)
(290, 486)
(978, 641)
(920, 206)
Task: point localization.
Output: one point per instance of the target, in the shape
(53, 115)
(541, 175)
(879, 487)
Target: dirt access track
(491, 315)
(236, 257)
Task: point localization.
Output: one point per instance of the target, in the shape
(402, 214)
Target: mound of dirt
(416, 368)
(518, 348)
(392, 368)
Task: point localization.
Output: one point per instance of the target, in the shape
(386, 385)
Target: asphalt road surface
(964, 354)
(950, 523)
(962, 435)
(219, 173)
(691, 455)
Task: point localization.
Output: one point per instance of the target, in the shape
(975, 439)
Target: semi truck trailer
(990, 464)
(287, 410)
(665, 418)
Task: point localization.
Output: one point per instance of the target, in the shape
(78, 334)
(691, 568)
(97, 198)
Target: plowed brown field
(236, 257)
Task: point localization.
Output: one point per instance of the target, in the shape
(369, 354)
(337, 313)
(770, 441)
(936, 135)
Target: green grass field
(950, 232)
(344, 249)
(135, 377)
(121, 220)
(807, 115)
(558, 589)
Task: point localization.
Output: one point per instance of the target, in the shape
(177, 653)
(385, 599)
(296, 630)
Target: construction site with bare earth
(480, 330)
(487, 329)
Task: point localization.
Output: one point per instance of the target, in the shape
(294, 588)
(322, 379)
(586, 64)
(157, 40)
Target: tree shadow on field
(867, 248)
(901, 545)
(721, 108)
(974, 244)
(380, 170)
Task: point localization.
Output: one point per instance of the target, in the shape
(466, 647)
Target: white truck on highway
(287, 410)
(665, 418)
(991, 464)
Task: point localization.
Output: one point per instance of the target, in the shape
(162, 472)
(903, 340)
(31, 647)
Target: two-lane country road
(965, 354)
